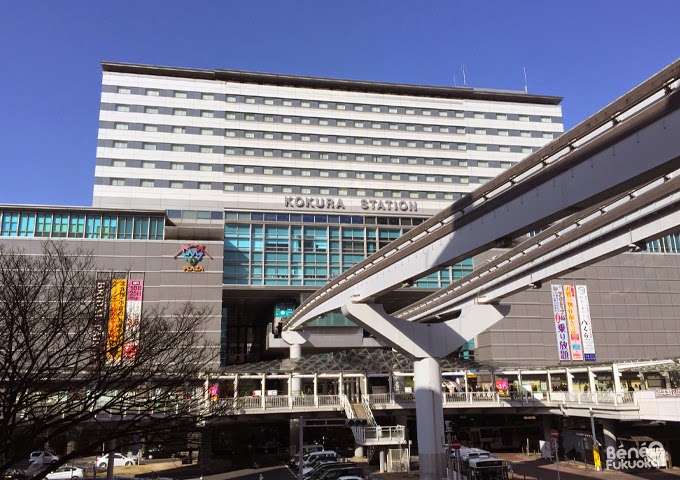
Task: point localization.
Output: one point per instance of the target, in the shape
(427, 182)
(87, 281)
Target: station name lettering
(337, 204)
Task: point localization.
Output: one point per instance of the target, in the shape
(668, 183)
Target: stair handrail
(369, 413)
(358, 432)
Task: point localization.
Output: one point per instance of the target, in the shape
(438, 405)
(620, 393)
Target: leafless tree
(62, 376)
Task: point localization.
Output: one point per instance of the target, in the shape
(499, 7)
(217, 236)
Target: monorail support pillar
(430, 413)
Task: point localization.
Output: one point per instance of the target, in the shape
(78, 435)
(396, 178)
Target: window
(268, 118)
(149, 146)
(176, 184)
(444, 129)
(379, 193)
(527, 150)
(431, 195)
(269, 101)
(229, 169)
(524, 118)
(147, 183)
(122, 126)
(478, 115)
(205, 167)
(411, 144)
(287, 154)
(503, 133)
(230, 116)
(179, 130)
(376, 125)
(342, 156)
(464, 180)
(428, 145)
(482, 147)
(395, 176)
(180, 94)
(268, 189)
(306, 138)
(427, 112)
(228, 187)
(413, 194)
(287, 103)
(119, 163)
(341, 123)
(324, 173)
(504, 148)
(429, 178)
(268, 153)
(396, 194)
(360, 158)
(341, 140)
(122, 108)
(250, 117)
(268, 171)
(269, 136)
(462, 146)
(206, 150)
(460, 114)
(207, 114)
(342, 174)
(482, 164)
(250, 100)
(151, 110)
(306, 191)
(546, 120)
(506, 164)
(179, 112)
(377, 176)
(178, 148)
(305, 104)
(447, 179)
(118, 182)
(410, 111)
(206, 131)
(340, 106)
(231, 99)
(124, 90)
(148, 164)
(360, 175)
(548, 135)
(287, 189)
(306, 173)
(412, 161)
(501, 116)
(152, 93)
(324, 191)
(305, 121)
(480, 131)
(205, 186)
(177, 166)
(323, 122)
(249, 170)
(375, 109)
(119, 144)
(460, 130)
(443, 114)
(411, 128)
(462, 163)
(150, 128)
(377, 142)
(358, 108)
(392, 110)
(429, 161)
(207, 96)
(525, 134)
(287, 172)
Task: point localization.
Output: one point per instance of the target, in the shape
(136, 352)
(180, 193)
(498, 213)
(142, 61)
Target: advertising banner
(101, 315)
(586, 323)
(133, 317)
(114, 348)
(573, 323)
(560, 318)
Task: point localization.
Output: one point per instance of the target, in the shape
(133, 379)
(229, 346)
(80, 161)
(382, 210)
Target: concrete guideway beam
(607, 166)
(422, 340)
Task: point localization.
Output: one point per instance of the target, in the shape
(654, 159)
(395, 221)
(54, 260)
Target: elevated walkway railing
(384, 435)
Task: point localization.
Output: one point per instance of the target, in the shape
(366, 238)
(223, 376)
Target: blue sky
(589, 52)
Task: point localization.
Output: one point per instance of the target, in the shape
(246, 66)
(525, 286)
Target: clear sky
(587, 51)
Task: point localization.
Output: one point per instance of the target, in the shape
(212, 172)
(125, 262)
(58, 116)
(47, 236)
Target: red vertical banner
(133, 317)
(114, 347)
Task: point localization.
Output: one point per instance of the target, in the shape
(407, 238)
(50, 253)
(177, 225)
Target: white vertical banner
(573, 325)
(560, 323)
(133, 317)
(586, 323)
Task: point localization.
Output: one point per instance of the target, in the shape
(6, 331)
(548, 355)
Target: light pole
(300, 449)
(596, 444)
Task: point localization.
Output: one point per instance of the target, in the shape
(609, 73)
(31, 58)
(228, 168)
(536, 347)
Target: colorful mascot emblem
(193, 254)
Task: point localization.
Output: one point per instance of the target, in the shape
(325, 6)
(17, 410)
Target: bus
(478, 464)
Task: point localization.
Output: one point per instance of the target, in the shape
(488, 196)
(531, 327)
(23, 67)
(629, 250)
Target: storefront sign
(193, 254)
(101, 315)
(560, 323)
(586, 323)
(668, 392)
(116, 318)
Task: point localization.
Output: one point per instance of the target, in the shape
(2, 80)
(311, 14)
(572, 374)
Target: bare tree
(63, 376)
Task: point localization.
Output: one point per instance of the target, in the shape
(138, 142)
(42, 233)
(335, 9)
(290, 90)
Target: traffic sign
(554, 433)
(455, 444)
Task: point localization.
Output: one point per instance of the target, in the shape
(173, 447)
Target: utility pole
(300, 449)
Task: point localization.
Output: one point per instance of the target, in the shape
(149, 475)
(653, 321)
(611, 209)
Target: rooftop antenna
(526, 88)
(462, 69)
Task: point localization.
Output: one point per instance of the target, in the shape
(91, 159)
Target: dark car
(321, 468)
(159, 452)
(15, 474)
(335, 473)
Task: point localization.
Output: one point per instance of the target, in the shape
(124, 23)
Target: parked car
(66, 473)
(15, 474)
(305, 450)
(315, 456)
(321, 469)
(335, 473)
(119, 460)
(159, 452)
(270, 447)
(42, 457)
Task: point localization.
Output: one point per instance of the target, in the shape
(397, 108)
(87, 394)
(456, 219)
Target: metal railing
(396, 434)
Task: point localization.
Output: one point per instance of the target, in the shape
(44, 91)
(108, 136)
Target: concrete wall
(635, 310)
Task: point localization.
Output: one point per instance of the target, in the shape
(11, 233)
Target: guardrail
(396, 434)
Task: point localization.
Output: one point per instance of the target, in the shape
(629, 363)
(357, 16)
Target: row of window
(303, 172)
(504, 132)
(324, 219)
(295, 190)
(122, 144)
(80, 225)
(256, 100)
(309, 255)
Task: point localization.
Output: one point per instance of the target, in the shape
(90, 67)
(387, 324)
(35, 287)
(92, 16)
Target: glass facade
(27, 223)
(310, 250)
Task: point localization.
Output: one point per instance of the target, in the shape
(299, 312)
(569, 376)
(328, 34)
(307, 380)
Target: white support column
(365, 386)
(296, 352)
(570, 381)
(549, 385)
(519, 383)
(616, 375)
(316, 389)
(430, 418)
(591, 381)
(264, 393)
(236, 387)
(290, 391)
(341, 386)
(390, 384)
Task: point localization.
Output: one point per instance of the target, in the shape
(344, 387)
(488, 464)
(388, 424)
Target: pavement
(524, 468)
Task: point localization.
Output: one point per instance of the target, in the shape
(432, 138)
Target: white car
(66, 473)
(42, 457)
(119, 460)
